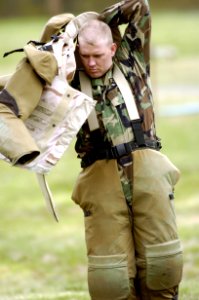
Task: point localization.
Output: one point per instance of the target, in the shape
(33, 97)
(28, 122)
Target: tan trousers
(127, 245)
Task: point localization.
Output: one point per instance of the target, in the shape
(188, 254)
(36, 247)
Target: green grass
(42, 259)
(178, 29)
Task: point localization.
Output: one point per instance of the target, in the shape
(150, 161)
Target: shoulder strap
(129, 99)
(86, 88)
(47, 194)
(125, 90)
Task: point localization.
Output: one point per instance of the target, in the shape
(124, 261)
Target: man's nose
(91, 62)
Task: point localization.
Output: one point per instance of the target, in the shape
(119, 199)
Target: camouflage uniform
(114, 121)
(129, 216)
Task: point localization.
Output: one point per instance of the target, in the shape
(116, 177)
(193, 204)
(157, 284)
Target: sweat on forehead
(95, 31)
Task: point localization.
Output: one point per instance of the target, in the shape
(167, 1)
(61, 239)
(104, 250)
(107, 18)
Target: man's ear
(113, 48)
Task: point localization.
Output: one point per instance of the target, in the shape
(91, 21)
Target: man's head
(96, 48)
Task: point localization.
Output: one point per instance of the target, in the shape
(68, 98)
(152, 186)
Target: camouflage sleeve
(136, 14)
(133, 53)
(125, 11)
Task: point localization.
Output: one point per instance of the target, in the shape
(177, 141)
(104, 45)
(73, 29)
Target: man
(126, 186)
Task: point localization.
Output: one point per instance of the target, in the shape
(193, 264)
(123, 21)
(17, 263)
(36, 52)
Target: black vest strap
(13, 51)
(138, 132)
(36, 43)
(117, 152)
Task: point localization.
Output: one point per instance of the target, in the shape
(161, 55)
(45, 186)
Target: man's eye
(98, 56)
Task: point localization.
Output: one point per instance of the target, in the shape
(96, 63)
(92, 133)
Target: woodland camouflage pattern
(132, 57)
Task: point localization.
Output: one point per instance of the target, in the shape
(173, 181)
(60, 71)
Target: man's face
(97, 59)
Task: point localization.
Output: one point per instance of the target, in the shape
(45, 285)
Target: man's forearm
(125, 11)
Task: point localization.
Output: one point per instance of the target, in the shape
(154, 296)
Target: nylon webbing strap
(129, 99)
(47, 194)
(126, 92)
(124, 89)
(86, 88)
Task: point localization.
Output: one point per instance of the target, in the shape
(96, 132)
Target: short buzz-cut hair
(94, 31)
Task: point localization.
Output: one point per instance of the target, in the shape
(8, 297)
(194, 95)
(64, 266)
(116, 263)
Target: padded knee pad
(108, 277)
(164, 265)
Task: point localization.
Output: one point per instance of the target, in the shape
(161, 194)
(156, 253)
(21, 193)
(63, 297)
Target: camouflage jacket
(132, 57)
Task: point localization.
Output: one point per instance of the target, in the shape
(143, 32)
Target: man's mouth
(93, 70)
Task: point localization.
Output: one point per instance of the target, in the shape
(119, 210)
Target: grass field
(41, 259)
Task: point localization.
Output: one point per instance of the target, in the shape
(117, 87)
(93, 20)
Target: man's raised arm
(136, 14)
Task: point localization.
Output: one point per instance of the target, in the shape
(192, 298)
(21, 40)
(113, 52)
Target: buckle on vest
(121, 150)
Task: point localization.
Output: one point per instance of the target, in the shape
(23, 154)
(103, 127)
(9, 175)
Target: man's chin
(94, 74)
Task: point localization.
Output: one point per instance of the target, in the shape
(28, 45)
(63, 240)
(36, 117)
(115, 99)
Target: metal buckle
(153, 144)
(121, 150)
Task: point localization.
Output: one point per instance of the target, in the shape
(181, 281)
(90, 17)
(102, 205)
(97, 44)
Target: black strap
(13, 51)
(116, 152)
(138, 132)
(36, 43)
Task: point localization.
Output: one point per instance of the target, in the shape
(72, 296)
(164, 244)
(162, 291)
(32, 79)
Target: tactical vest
(116, 150)
(37, 102)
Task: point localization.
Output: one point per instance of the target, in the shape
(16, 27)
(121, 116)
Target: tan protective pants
(125, 245)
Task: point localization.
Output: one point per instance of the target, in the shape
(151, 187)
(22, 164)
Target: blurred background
(40, 259)
(49, 7)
